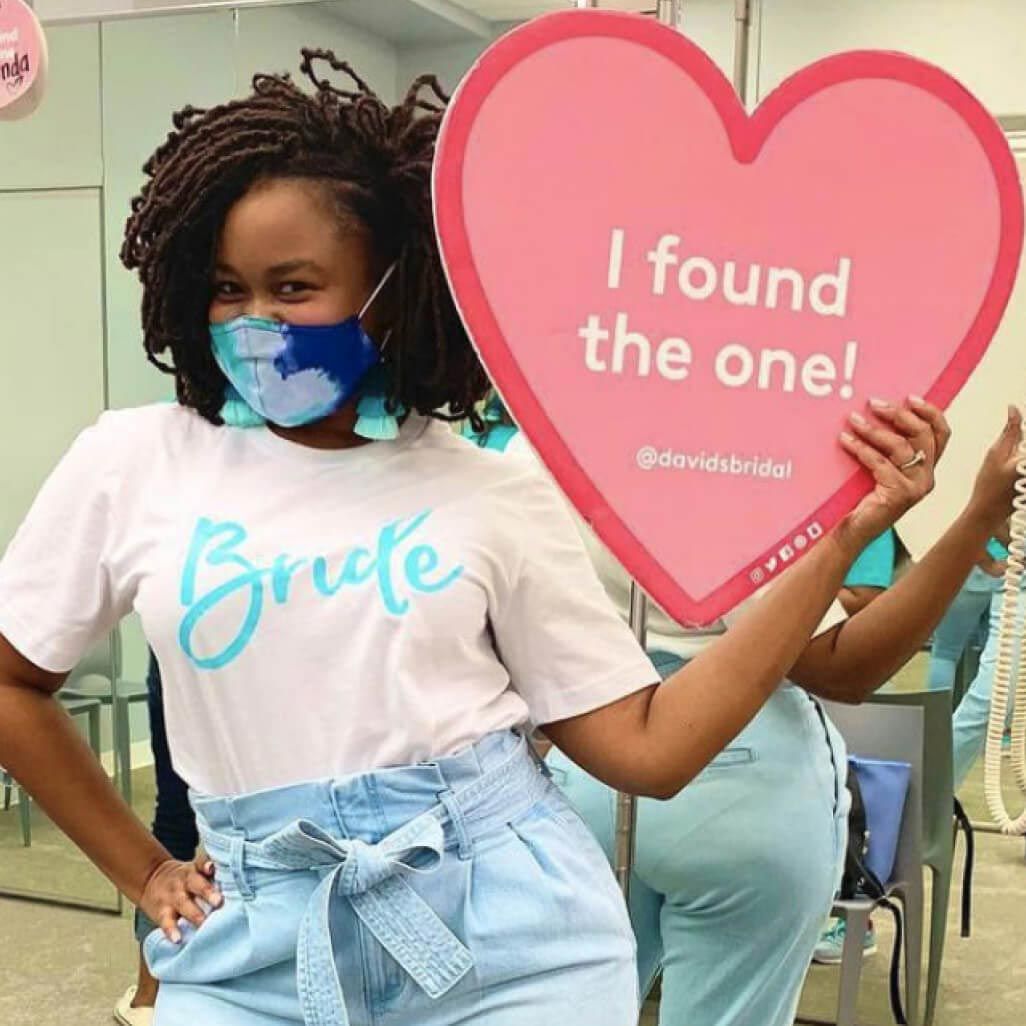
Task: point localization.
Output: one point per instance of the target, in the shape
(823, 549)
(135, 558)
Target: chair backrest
(938, 774)
(102, 660)
(894, 733)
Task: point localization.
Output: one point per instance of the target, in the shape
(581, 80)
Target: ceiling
(491, 10)
(404, 22)
(514, 10)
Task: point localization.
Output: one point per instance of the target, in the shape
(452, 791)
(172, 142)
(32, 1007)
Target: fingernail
(917, 400)
(857, 418)
(208, 868)
(845, 437)
(216, 899)
(879, 404)
(176, 937)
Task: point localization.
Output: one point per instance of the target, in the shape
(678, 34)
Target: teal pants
(969, 726)
(734, 878)
(961, 623)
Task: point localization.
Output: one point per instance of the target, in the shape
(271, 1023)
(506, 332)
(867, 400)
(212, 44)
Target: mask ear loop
(375, 421)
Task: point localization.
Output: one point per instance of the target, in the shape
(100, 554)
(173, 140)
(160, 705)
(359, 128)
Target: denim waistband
(362, 835)
(367, 806)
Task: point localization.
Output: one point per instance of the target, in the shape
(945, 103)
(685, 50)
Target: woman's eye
(227, 290)
(293, 288)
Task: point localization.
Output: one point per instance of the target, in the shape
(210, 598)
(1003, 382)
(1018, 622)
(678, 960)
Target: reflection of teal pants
(973, 713)
(734, 878)
(960, 624)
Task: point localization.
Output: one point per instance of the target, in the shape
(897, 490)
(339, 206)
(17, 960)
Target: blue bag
(884, 788)
(879, 790)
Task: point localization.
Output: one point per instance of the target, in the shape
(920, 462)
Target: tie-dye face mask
(295, 374)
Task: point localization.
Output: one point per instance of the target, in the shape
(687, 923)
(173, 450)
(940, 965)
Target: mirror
(36, 859)
(60, 230)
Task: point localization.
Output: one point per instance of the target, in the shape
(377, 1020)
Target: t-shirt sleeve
(997, 551)
(57, 590)
(874, 567)
(565, 647)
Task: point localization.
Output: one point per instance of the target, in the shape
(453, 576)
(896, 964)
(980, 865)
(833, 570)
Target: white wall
(981, 42)
(708, 22)
(449, 63)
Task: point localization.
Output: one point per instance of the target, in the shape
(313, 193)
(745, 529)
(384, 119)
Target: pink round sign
(681, 302)
(22, 59)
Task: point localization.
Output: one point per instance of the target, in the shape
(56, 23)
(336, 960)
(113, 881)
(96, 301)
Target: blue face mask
(295, 374)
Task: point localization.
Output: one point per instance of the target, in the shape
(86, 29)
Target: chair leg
(912, 902)
(856, 925)
(25, 811)
(94, 730)
(123, 745)
(939, 904)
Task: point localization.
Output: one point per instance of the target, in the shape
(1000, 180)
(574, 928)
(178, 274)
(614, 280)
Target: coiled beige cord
(1010, 653)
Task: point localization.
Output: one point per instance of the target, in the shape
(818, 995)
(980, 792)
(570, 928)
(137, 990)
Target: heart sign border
(747, 134)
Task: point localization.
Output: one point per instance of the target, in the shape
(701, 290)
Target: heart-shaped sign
(681, 303)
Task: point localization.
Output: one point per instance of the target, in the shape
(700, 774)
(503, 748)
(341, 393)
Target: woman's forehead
(285, 222)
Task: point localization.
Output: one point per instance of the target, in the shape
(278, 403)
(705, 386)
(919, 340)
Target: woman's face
(283, 256)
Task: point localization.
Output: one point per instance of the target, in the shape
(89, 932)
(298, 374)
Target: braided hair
(374, 162)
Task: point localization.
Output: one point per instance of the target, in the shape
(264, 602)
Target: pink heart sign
(681, 303)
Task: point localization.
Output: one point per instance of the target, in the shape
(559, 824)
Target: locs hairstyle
(374, 164)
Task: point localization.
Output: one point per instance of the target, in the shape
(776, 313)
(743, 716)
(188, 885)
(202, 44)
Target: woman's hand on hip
(900, 449)
(174, 891)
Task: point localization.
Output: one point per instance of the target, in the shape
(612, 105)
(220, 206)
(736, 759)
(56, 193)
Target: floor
(62, 965)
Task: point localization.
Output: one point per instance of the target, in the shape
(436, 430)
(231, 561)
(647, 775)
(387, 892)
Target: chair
(894, 733)
(938, 834)
(98, 678)
(24, 810)
(73, 707)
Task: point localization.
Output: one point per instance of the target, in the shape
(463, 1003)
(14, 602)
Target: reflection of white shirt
(317, 613)
(664, 633)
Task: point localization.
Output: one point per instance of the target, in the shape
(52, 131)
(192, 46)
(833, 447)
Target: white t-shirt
(663, 632)
(317, 613)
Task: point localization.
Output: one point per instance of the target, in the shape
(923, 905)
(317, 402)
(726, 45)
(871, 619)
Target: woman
(355, 616)
(968, 616)
(735, 876)
(972, 717)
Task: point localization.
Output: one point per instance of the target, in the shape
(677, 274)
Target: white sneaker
(126, 1015)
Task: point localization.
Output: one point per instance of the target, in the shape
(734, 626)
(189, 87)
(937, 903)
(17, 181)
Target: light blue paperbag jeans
(463, 890)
